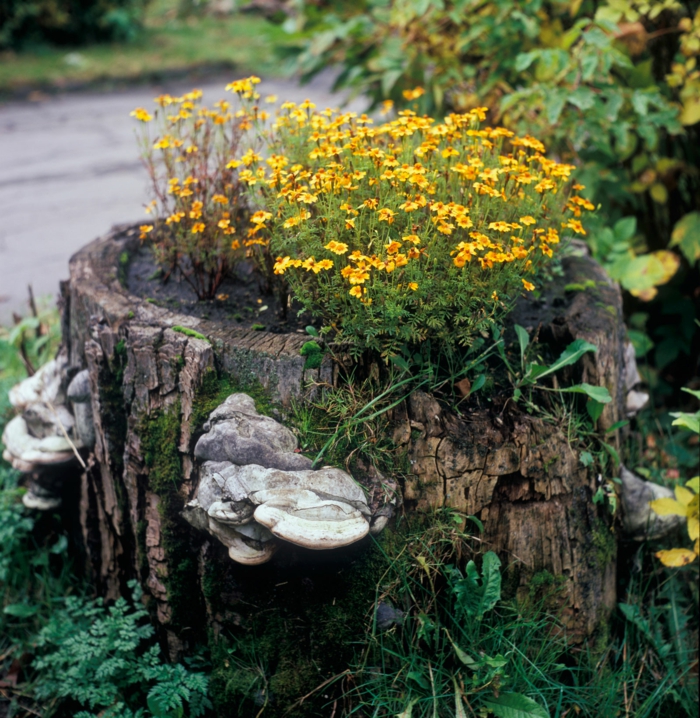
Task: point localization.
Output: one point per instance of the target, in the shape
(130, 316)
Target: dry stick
(65, 435)
(32, 306)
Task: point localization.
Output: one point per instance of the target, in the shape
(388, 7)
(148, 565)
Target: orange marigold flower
(413, 94)
(145, 230)
(349, 223)
(219, 199)
(528, 285)
(575, 225)
(393, 247)
(386, 215)
(260, 217)
(198, 228)
(413, 285)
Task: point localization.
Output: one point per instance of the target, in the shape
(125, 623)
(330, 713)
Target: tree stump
(152, 387)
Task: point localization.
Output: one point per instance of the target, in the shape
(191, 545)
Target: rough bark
(517, 473)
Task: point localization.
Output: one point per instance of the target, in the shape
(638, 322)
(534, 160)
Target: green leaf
(478, 383)
(586, 458)
(523, 340)
(515, 705)
(594, 409)
(692, 392)
(641, 342)
(570, 355)
(419, 678)
(476, 597)
(597, 393)
(625, 228)
(686, 235)
(687, 421)
(20, 610)
(553, 106)
(524, 60)
(311, 330)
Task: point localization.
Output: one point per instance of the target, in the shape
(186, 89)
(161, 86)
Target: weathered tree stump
(152, 387)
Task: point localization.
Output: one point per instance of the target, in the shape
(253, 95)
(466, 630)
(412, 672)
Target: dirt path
(69, 170)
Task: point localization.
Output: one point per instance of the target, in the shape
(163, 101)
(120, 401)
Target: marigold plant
(410, 231)
(192, 156)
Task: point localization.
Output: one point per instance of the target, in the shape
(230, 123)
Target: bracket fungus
(255, 490)
(43, 439)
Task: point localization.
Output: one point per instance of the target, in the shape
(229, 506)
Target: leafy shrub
(610, 86)
(198, 201)
(68, 22)
(100, 659)
(411, 232)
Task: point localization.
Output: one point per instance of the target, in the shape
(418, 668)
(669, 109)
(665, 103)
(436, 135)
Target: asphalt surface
(70, 170)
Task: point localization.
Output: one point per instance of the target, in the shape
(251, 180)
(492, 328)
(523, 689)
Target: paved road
(69, 170)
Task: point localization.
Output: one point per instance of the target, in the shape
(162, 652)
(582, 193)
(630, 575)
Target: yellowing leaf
(691, 111)
(644, 273)
(693, 527)
(676, 557)
(686, 235)
(683, 495)
(664, 507)
(694, 484)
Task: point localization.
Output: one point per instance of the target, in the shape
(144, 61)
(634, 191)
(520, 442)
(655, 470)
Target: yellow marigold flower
(308, 198)
(336, 247)
(307, 105)
(528, 285)
(250, 158)
(198, 228)
(356, 292)
(145, 230)
(349, 223)
(401, 260)
(142, 115)
(325, 264)
(233, 164)
(546, 250)
(413, 253)
(386, 215)
(446, 228)
(578, 187)
(527, 220)
(260, 217)
(162, 144)
(413, 285)
(386, 107)
(219, 199)
(222, 297)
(500, 226)
(544, 185)
(271, 99)
(371, 203)
(494, 296)
(449, 152)
(414, 238)
(224, 223)
(575, 225)
(392, 247)
(184, 192)
(175, 217)
(235, 244)
(191, 149)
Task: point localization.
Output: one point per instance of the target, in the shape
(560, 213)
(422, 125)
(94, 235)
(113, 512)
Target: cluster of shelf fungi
(244, 481)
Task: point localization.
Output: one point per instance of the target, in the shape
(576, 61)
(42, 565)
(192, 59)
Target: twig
(32, 306)
(65, 435)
